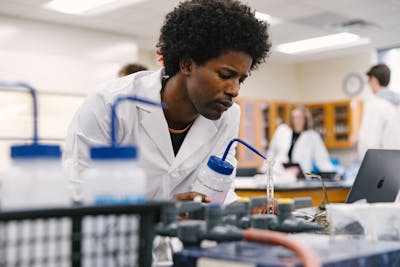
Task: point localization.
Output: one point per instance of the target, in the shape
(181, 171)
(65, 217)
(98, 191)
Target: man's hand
(189, 196)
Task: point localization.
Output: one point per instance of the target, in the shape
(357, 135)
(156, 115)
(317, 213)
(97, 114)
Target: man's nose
(233, 89)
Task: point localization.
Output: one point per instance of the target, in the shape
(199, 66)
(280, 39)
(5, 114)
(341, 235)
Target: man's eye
(224, 76)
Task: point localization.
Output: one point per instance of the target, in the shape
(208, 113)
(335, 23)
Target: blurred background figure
(130, 68)
(380, 125)
(298, 143)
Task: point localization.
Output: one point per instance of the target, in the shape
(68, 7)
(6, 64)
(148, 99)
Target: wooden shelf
(341, 119)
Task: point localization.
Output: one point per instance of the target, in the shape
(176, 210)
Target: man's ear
(374, 81)
(186, 65)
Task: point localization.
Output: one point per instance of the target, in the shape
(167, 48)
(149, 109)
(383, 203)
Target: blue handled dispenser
(214, 180)
(114, 176)
(35, 178)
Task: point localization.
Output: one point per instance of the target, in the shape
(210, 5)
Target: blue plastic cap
(35, 151)
(110, 152)
(220, 166)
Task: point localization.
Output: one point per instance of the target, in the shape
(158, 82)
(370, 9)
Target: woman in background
(299, 143)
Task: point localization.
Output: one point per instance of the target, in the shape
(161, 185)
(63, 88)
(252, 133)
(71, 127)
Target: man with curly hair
(208, 48)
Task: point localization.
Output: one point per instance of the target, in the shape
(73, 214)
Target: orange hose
(308, 258)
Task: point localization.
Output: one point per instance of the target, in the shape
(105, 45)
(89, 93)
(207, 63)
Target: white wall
(273, 81)
(312, 81)
(57, 58)
(321, 80)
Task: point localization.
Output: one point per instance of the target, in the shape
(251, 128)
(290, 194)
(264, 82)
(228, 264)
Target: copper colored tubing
(308, 258)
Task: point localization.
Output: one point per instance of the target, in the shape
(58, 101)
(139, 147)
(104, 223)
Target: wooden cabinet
(319, 115)
(279, 113)
(252, 130)
(335, 121)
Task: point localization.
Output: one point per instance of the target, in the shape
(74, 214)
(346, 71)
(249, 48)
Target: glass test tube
(270, 187)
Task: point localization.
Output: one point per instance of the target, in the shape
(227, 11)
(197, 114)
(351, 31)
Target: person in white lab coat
(380, 125)
(299, 143)
(208, 49)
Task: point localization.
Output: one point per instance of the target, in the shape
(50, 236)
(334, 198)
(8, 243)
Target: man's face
(212, 86)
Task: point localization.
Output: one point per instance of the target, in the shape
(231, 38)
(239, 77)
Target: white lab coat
(308, 148)
(147, 127)
(380, 126)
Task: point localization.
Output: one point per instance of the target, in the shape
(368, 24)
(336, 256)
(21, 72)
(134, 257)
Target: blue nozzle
(34, 150)
(114, 114)
(244, 143)
(32, 91)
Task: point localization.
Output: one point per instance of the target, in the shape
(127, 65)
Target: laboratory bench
(337, 190)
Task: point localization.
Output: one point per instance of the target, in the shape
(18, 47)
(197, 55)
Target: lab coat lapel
(201, 132)
(153, 119)
(156, 127)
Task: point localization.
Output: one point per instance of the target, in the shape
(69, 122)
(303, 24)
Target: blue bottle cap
(113, 152)
(220, 166)
(35, 151)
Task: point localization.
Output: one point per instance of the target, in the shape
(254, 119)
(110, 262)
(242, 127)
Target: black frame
(148, 213)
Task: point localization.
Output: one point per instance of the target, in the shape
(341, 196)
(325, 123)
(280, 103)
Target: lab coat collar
(149, 87)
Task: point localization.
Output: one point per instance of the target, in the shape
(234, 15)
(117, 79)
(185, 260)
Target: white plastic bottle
(114, 177)
(214, 180)
(35, 179)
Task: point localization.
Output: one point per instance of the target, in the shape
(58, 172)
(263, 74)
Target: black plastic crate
(79, 236)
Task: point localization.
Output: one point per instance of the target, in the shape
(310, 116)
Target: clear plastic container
(35, 180)
(114, 178)
(214, 180)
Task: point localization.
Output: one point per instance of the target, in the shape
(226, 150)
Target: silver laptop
(378, 179)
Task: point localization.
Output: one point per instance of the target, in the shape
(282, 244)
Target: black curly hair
(205, 29)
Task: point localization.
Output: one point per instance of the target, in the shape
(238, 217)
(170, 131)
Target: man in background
(380, 126)
(130, 68)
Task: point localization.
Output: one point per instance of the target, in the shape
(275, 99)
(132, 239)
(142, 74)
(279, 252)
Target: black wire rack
(120, 236)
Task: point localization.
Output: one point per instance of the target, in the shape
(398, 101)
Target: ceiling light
(333, 41)
(268, 18)
(87, 7)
